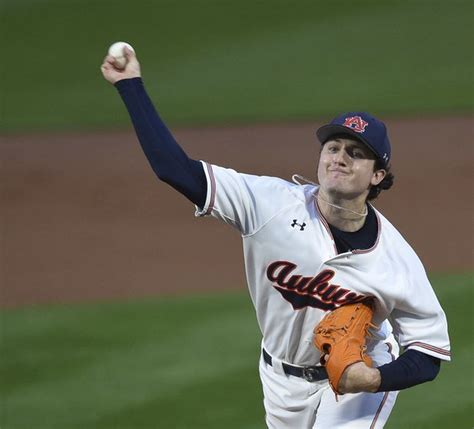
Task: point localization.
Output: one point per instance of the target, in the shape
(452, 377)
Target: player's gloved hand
(340, 337)
(113, 74)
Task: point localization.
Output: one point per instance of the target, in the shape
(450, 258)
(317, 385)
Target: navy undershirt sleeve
(411, 368)
(167, 159)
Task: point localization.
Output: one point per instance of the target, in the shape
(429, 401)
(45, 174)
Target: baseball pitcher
(336, 288)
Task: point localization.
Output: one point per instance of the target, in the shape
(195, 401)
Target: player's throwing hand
(113, 74)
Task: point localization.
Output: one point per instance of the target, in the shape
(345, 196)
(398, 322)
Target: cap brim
(327, 131)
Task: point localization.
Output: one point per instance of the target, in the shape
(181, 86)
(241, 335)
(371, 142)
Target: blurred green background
(192, 362)
(222, 61)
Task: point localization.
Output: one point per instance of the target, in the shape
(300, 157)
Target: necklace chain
(363, 214)
(297, 178)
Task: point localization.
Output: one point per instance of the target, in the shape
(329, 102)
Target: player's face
(346, 169)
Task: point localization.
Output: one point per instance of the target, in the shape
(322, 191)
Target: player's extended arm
(167, 159)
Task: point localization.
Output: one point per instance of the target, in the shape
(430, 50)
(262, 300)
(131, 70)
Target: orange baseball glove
(341, 337)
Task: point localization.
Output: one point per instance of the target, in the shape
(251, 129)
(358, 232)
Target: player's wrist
(374, 380)
(359, 378)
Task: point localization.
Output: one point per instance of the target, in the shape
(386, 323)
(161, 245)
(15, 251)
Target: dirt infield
(84, 217)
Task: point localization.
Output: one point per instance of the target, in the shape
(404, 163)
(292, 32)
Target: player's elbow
(162, 175)
(165, 173)
(435, 371)
(430, 372)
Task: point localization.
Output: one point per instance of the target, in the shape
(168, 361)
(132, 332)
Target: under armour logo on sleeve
(301, 225)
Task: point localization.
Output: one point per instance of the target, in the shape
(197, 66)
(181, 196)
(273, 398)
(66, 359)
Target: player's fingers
(110, 60)
(128, 53)
(105, 66)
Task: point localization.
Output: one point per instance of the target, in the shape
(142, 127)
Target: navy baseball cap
(362, 127)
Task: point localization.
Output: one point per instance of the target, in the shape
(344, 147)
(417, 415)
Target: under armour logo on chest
(301, 225)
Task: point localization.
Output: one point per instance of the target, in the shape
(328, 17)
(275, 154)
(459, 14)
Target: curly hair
(385, 184)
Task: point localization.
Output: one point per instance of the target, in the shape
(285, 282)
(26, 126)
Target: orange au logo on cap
(355, 123)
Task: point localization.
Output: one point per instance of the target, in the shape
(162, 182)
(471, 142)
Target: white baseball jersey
(295, 275)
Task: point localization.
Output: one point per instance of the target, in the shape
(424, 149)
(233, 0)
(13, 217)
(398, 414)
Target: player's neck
(346, 215)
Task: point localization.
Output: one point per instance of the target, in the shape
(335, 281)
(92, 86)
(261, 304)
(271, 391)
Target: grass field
(221, 61)
(183, 362)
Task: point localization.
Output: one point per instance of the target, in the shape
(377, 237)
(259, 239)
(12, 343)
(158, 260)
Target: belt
(309, 373)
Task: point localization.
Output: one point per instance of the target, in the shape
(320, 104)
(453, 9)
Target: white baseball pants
(294, 403)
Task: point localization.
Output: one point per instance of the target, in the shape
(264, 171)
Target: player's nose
(340, 157)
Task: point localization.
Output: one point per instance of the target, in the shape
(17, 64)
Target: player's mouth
(338, 172)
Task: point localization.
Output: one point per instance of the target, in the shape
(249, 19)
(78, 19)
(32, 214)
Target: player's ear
(378, 176)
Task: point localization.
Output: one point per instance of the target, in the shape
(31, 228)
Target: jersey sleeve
(419, 322)
(246, 202)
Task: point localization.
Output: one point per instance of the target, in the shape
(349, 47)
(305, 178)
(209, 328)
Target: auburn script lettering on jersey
(315, 291)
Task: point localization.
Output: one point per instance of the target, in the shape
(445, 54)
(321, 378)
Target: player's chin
(342, 191)
(336, 185)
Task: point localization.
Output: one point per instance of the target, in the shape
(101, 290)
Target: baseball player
(309, 251)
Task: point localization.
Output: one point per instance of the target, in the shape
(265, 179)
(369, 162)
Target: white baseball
(116, 50)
